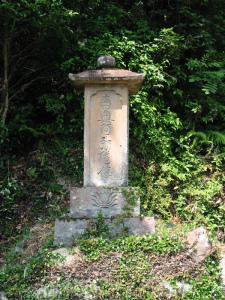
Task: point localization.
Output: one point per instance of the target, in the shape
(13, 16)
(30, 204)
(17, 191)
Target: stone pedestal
(88, 202)
(106, 132)
(66, 231)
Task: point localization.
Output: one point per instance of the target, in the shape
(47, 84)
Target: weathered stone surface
(47, 292)
(168, 290)
(199, 244)
(183, 288)
(133, 226)
(2, 296)
(106, 131)
(131, 80)
(67, 231)
(67, 258)
(87, 202)
(20, 247)
(106, 61)
(106, 136)
(178, 290)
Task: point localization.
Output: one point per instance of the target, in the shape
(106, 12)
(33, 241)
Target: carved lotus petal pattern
(104, 199)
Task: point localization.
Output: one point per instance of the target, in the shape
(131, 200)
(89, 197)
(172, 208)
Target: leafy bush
(11, 193)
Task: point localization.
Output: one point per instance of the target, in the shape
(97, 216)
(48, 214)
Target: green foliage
(176, 120)
(17, 276)
(209, 72)
(159, 244)
(98, 229)
(209, 138)
(189, 188)
(207, 79)
(11, 193)
(207, 285)
(37, 190)
(132, 261)
(3, 135)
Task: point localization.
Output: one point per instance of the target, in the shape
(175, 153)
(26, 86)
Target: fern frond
(198, 134)
(218, 138)
(210, 137)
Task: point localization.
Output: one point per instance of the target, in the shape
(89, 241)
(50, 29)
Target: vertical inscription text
(105, 138)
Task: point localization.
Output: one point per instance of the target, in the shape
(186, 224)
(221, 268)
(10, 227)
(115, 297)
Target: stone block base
(67, 231)
(88, 202)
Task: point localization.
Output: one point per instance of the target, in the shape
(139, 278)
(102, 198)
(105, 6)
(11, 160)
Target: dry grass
(39, 233)
(152, 271)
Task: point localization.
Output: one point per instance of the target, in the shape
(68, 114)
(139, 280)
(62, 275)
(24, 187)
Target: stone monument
(106, 134)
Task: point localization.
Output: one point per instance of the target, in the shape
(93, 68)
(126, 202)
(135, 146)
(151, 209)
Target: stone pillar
(106, 132)
(106, 135)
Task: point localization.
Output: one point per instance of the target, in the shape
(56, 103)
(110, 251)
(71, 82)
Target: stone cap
(109, 76)
(106, 61)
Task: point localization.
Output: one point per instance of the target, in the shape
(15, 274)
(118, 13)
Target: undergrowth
(124, 268)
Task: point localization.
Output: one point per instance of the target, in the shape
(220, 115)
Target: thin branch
(22, 78)
(14, 66)
(25, 49)
(25, 86)
(13, 26)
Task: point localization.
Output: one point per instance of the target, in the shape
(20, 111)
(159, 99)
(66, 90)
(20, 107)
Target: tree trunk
(5, 86)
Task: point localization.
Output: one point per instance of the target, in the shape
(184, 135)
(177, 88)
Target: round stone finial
(106, 61)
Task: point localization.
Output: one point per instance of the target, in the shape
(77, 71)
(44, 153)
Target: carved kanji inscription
(106, 136)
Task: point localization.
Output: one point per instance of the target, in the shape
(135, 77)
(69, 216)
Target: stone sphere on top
(106, 61)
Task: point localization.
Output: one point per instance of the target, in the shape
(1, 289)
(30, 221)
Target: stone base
(67, 231)
(88, 202)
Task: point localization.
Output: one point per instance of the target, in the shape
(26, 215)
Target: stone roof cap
(109, 76)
